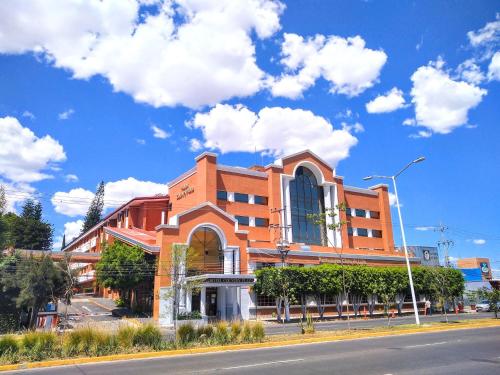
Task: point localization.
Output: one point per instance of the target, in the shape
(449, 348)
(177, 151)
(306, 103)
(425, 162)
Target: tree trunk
(339, 299)
(303, 301)
(287, 309)
(278, 308)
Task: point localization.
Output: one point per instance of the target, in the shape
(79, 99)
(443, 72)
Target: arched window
(208, 255)
(306, 197)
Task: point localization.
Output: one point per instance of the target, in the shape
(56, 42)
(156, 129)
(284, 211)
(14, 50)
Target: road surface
(277, 329)
(472, 351)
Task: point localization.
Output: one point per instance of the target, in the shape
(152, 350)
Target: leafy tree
(3, 223)
(493, 296)
(63, 244)
(30, 231)
(122, 268)
(33, 282)
(94, 213)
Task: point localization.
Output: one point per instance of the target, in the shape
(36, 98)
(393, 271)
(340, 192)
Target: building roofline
(378, 186)
(241, 170)
(123, 237)
(206, 153)
(358, 190)
(182, 177)
(108, 216)
(280, 160)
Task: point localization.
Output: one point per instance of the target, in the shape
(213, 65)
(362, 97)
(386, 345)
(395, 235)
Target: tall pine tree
(63, 244)
(94, 214)
(30, 231)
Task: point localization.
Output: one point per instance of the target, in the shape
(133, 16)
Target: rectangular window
(349, 231)
(243, 220)
(348, 211)
(376, 233)
(374, 215)
(362, 232)
(265, 300)
(261, 222)
(222, 195)
(360, 212)
(260, 200)
(261, 265)
(239, 197)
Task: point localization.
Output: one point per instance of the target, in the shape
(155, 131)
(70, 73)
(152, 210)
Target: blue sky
(83, 89)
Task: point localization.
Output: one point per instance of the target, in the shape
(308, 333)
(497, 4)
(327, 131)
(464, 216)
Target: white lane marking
(430, 344)
(262, 364)
(86, 308)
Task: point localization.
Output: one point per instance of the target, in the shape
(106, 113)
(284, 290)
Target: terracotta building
(234, 218)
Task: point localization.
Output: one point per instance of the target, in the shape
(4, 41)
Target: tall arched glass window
(208, 256)
(306, 197)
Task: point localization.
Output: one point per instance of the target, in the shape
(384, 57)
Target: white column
(228, 260)
(163, 217)
(246, 302)
(203, 301)
(237, 264)
(328, 194)
(285, 187)
(251, 198)
(230, 196)
(251, 221)
(338, 236)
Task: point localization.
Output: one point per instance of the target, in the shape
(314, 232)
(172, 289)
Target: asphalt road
(277, 329)
(473, 351)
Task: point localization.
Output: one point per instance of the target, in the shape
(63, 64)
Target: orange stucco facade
(253, 209)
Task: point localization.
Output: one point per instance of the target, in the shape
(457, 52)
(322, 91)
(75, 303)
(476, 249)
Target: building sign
(185, 191)
(339, 261)
(485, 268)
(428, 255)
(471, 274)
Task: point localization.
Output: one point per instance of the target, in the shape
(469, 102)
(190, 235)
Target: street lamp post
(403, 236)
(283, 248)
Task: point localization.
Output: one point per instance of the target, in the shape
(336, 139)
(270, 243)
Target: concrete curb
(214, 349)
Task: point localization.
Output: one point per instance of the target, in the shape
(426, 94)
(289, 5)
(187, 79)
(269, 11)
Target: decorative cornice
(353, 189)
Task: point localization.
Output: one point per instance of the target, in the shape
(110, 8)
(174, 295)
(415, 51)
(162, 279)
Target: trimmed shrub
(258, 332)
(235, 331)
(40, 345)
(8, 345)
(186, 333)
(125, 336)
(148, 335)
(221, 334)
(246, 332)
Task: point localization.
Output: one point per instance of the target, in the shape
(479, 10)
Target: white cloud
(424, 229)
(441, 103)
(494, 67)
(345, 63)
(479, 241)
(490, 33)
(186, 52)
(274, 131)
(159, 132)
(72, 229)
(392, 200)
(354, 128)
(29, 115)
(421, 134)
(195, 145)
(73, 203)
(470, 72)
(391, 101)
(23, 155)
(76, 201)
(410, 122)
(66, 114)
(16, 193)
(71, 178)
(142, 142)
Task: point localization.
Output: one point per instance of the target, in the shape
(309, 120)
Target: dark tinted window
(306, 198)
(222, 195)
(243, 220)
(376, 233)
(375, 214)
(261, 222)
(348, 211)
(360, 213)
(238, 197)
(362, 232)
(349, 231)
(260, 200)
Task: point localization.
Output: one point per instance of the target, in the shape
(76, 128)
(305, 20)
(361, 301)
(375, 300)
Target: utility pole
(283, 245)
(444, 244)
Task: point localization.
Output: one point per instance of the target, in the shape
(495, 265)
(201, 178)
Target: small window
(376, 233)
(349, 231)
(360, 213)
(348, 211)
(243, 220)
(222, 195)
(261, 222)
(260, 200)
(261, 265)
(238, 197)
(362, 232)
(374, 214)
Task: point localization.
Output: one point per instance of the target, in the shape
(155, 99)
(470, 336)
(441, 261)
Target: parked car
(483, 306)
